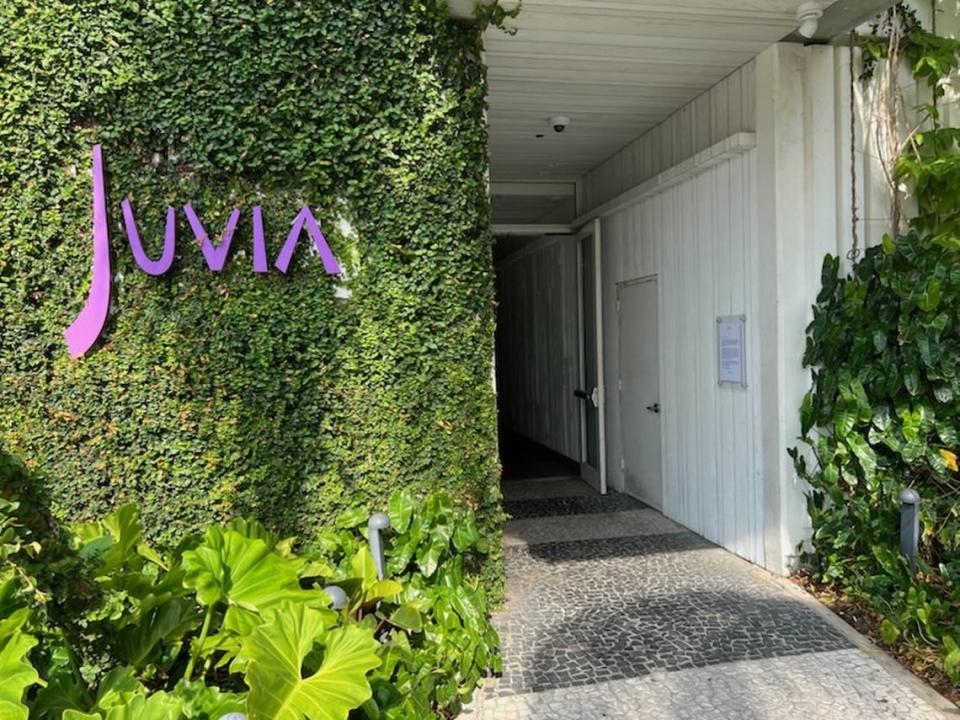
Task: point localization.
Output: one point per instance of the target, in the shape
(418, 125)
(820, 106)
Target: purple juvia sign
(85, 330)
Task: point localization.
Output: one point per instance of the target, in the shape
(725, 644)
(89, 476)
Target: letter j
(85, 330)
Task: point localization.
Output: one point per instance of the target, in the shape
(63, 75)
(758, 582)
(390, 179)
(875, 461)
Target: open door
(593, 466)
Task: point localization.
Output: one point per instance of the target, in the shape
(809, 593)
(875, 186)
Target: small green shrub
(884, 414)
(436, 551)
(95, 623)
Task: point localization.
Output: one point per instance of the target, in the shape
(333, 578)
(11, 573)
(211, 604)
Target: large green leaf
(138, 643)
(158, 706)
(230, 568)
(864, 453)
(405, 617)
(930, 298)
(400, 510)
(114, 540)
(276, 651)
(62, 692)
(202, 702)
(16, 672)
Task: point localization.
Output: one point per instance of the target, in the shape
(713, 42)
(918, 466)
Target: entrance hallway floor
(613, 611)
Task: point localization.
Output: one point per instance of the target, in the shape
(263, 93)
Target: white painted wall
(746, 236)
(538, 345)
(699, 238)
(725, 109)
(720, 453)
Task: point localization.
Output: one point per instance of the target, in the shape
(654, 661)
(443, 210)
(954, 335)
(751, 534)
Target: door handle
(593, 396)
(655, 408)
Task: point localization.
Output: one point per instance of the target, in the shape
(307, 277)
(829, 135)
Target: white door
(590, 392)
(640, 390)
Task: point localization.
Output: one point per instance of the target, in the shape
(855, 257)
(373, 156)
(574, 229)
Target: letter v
(216, 257)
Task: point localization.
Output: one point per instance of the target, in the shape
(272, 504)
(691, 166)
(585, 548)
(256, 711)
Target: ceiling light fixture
(808, 15)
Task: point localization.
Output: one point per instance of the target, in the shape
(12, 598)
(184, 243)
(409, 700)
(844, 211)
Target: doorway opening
(550, 362)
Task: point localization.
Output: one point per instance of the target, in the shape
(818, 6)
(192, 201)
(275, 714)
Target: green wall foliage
(884, 411)
(268, 396)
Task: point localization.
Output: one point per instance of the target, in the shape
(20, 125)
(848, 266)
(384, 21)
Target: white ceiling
(615, 67)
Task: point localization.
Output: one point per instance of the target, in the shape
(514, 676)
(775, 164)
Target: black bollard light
(910, 525)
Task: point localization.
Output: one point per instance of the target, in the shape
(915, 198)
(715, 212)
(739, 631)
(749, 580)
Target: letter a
(305, 218)
(88, 325)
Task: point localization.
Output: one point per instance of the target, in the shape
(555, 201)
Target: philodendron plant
(96, 624)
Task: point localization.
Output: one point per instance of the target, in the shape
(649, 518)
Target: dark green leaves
(883, 413)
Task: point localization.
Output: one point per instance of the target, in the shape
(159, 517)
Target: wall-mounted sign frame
(731, 350)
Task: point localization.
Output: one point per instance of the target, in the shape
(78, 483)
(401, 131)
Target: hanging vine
(854, 254)
(897, 38)
(493, 14)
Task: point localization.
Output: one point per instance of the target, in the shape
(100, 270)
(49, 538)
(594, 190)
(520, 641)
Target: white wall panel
(699, 238)
(727, 108)
(537, 344)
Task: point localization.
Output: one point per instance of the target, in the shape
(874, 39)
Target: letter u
(151, 267)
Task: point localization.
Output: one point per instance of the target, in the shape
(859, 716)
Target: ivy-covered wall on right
(287, 398)
(884, 411)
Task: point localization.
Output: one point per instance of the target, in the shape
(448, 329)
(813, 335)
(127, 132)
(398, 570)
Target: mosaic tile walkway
(615, 612)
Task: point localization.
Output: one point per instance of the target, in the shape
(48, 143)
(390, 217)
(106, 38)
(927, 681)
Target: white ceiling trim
(616, 67)
(717, 153)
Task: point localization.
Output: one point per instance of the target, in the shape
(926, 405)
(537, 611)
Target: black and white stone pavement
(614, 611)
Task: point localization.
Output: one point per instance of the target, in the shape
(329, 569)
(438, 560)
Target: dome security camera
(559, 123)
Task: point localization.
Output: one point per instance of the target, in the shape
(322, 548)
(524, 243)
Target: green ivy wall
(269, 396)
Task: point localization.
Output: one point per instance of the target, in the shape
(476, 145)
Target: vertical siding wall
(700, 239)
(538, 362)
(724, 110)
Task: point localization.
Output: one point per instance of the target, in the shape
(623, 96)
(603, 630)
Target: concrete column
(798, 180)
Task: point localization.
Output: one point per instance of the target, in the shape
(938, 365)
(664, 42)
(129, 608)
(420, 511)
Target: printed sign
(731, 355)
(83, 333)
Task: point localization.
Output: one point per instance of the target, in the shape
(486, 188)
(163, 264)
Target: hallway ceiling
(616, 68)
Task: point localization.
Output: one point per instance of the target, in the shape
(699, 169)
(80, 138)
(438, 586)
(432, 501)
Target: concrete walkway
(613, 611)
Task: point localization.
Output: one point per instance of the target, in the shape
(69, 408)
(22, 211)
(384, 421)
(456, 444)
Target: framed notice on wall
(731, 350)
